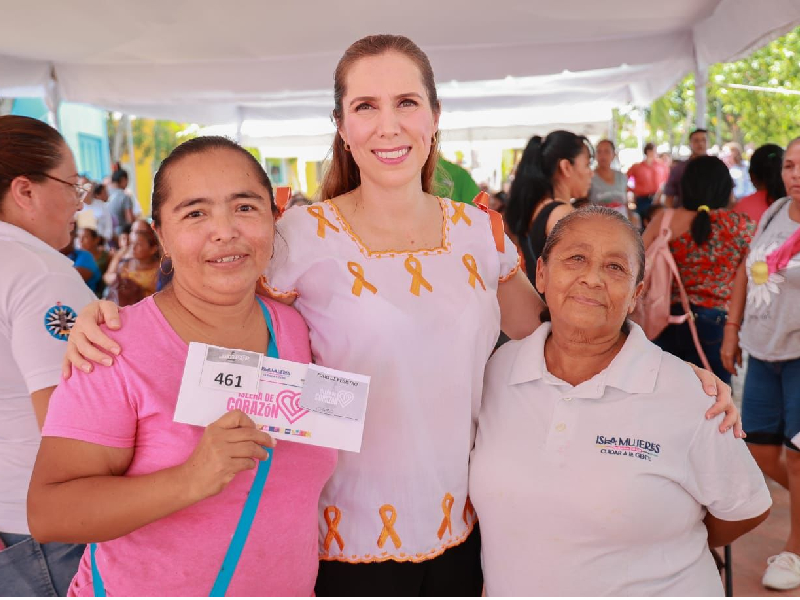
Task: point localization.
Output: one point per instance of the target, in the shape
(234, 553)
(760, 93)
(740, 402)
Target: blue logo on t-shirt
(58, 321)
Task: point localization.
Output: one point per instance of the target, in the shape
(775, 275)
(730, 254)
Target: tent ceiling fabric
(214, 62)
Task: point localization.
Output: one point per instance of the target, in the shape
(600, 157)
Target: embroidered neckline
(443, 248)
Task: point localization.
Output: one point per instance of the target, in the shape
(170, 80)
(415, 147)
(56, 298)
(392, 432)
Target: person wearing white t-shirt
(41, 294)
(594, 472)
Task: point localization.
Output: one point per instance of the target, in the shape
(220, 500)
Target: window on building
(90, 159)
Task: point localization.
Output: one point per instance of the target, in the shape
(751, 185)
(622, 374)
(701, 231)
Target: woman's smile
(394, 156)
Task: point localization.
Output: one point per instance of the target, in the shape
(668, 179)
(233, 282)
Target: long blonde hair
(343, 175)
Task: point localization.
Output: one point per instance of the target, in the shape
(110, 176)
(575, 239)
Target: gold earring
(161, 265)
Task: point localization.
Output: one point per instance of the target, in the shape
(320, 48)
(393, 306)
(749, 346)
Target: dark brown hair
(343, 175)
(28, 147)
(197, 146)
(606, 141)
(706, 182)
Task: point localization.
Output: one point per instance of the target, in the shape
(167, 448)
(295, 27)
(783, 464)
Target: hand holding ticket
(229, 445)
(291, 401)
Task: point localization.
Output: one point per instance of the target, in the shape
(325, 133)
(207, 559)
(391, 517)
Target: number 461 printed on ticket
(292, 401)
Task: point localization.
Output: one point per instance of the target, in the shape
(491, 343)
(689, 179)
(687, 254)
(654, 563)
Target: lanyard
(239, 538)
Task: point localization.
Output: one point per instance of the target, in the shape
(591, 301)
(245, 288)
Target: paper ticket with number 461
(301, 403)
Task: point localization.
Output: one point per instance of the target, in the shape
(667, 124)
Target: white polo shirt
(40, 294)
(601, 489)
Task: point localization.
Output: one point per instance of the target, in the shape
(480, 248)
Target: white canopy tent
(228, 62)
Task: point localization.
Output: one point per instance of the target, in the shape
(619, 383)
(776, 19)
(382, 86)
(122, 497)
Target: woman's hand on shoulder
(714, 386)
(87, 343)
(230, 445)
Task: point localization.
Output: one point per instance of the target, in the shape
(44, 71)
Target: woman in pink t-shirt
(162, 499)
(766, 173)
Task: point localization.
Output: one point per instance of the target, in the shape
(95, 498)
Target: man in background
(648, 176)
(698, 142)
(120, 204)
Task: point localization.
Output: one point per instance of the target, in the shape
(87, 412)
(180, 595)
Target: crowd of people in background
(736, 269)
(112, 246)
(560, 273)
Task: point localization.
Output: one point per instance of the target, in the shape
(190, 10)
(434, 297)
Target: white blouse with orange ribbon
(422, 324)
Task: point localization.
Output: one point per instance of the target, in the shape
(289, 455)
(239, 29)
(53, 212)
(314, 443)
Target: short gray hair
(592, 211)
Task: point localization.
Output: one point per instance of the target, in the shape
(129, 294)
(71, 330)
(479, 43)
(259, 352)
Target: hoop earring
(435, 139)
(161, 265)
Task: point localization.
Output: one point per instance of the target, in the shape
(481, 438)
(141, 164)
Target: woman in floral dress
(708, 242)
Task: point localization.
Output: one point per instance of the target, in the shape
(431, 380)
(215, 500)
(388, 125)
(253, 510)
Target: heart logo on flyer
(289, 405)
(345, 398)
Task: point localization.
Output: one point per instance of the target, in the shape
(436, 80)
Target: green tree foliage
(745, 116)
(759, 117)
(154, 140)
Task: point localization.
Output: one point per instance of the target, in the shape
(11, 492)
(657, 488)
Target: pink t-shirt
(753, 205)
(130, 405)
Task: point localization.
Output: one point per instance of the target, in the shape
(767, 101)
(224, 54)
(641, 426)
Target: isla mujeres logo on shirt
(628, 446)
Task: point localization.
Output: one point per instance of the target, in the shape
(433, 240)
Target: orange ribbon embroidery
(389, 516)
(414, 267)
(361, 282)
(447, 506)
(469, 512)
(459, 214)
(322, 221)
(472, 267)
(333, 517)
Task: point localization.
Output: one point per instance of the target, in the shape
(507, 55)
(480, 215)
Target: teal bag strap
(97, 581)
(239, 538)
(236, 546)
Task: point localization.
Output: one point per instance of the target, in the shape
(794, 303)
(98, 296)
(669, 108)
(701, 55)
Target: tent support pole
(701, 97)
(131, 155)
(640, 118)
(52, 99)
(239, 123)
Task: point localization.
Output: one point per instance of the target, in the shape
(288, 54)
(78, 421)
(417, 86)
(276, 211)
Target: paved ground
(750, 552)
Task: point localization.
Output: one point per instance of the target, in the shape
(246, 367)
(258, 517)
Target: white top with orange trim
(422, 325)
(601, 489)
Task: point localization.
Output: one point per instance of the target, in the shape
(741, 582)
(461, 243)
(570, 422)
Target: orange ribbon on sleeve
(472, 267)
(447, 506)
(389, 516)
(459, 214)
(322, 221)
(333, 517)
(469, 513)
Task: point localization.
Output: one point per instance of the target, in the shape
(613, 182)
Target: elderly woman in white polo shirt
(594, 471)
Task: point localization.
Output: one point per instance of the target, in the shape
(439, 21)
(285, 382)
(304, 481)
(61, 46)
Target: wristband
(732, 324)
